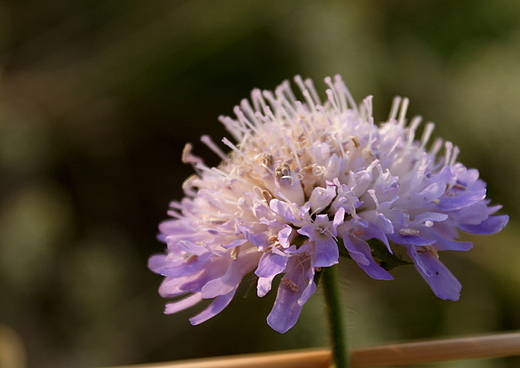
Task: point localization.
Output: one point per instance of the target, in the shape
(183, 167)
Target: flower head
(309, 180)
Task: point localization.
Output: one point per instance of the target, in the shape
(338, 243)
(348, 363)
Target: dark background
(97, 99)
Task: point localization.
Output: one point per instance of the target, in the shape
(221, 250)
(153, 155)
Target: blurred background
(98, 98)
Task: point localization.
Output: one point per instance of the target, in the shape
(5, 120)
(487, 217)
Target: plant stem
(332, 293)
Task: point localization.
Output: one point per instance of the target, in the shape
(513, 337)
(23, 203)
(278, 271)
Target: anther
(267, 195)
(289, 284)
(189, 257)
(408, 232)
(458, 186)
(234, 253)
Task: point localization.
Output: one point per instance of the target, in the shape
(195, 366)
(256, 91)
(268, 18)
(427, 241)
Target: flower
(309, 181)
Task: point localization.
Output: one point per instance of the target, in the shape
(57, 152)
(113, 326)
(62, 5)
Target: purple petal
(409, 239)
(432, 216)
(307, 292)
(321, 197)
(441, 243)
(448, 203)
(259, 240)
(183, 304)
(435, 273)
(170, 227)
(264, 285)
(471, 215)
(284, 236)
(245, 263)
(374, 232)
(339, 218)
(361, 253)
(378, 219)
(283, 210)
(431, 192)
(214, 308)
(174, 286)
(286, 309)
(271, 264)
(162, 265)
(234, 243)
(285, 312)
(217, 268)
(307, 230)
(327, 253)
(492, 225)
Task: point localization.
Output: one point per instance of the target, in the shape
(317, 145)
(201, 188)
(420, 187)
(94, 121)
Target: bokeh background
(98, 97)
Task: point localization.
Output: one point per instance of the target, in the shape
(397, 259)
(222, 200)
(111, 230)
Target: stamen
(289, 284)
(395, 108)
(412, 128)
(428, 129)
(431, 251)
(345, 94)
(258, 100)
(189, 257)
(408, 232)
(402, 113)
(456, 152)
(459, 186)
(234, 253)
(206, 139)
(310, 85)
(449, 149)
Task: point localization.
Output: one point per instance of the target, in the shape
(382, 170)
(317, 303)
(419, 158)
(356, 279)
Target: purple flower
(309, 180)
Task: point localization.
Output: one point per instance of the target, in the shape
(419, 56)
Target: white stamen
(408, 232)
(428, 129)
(402, 113)
(206, 139)
(396, 102)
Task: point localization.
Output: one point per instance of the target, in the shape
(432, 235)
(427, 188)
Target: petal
(245, 263)
(285, 312)
(217, 268)
(373, 231)
(435, 273)
(492, 225)
(409, 239)
(361, 253)
(264, 285)
(283, 210)
(214, 308)
(339, 218)
(431, 192)
(259, 240)
(327, 253)
(321, 197)
(307, 292)
(431, 216)
(284, 236)
(286, 309)
(183, 304)
(448, 203)
(307, 230)
(442, 243)
(271, 264)
(162, 265)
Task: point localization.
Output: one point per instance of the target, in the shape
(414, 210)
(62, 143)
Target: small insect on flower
(306, 178)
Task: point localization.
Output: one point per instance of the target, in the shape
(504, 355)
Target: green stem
(332, 293)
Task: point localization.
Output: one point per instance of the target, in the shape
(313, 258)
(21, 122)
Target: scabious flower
(310, 180)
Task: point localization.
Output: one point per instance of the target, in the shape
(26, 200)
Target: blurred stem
(338, 336)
